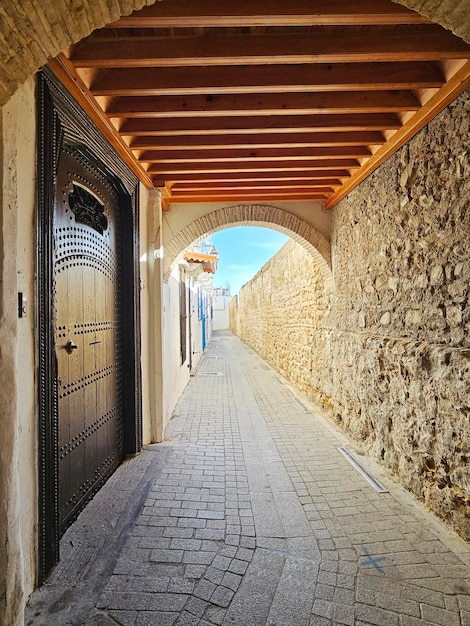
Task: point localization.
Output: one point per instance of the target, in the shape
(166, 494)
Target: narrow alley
(249, 515)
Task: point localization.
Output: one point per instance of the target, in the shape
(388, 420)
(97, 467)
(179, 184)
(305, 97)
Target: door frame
(61, 120)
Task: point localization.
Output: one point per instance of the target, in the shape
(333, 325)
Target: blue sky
(243, 250)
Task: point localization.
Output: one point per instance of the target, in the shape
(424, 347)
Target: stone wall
(390, 359)
(279, 312)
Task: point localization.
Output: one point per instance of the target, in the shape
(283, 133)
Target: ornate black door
(87, 291)
(89, 396)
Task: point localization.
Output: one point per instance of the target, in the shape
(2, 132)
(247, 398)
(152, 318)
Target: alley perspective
(250, 514)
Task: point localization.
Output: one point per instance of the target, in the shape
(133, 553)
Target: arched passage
(253, 215)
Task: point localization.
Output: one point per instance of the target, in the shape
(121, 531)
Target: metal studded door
(87, 290)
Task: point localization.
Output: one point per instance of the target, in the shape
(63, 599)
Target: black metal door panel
(88, 333)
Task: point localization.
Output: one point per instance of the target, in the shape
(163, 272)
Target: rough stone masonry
(388, 354)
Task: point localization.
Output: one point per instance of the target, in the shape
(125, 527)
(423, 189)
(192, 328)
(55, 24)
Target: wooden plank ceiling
(266, 100)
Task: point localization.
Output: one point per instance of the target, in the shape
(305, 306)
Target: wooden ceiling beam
(188, 13)
(251, 166)
(64, 71)
(222, 103)
(263, 154)
(261, 140)
(237, 192)
(248, 196)
(160, 180)
(335, 45)
(267, 104)
(459, 81)
(260, 124)
(319, 186)
(164, 81)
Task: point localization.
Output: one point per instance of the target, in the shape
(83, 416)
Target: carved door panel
(88, 333)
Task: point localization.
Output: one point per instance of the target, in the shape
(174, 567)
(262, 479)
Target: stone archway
(253, 215)
(32, 36)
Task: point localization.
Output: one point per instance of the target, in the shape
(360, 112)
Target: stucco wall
(176, 375)
(390, 360)
(145, 223)
(18, 495)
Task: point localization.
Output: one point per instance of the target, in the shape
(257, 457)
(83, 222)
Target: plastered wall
(176, 374)
(389, 358)
(18, 461)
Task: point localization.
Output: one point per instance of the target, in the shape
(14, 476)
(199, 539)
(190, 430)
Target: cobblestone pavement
(248, 515)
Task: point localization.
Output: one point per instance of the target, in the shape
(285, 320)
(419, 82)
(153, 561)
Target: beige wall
(390, 360)
(280, 310)
(18, 461)
(176, 375)
(306, 222)
(147, 327)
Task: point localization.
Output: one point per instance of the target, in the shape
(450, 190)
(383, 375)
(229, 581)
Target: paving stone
(215, 615)
(295, 593)
(191, 523)
(151, 618)
(210, 534)
(196, 606)
(204, 589)
(167, 602)
(324, 592)
(376, 615)
(154, 542)
(163, 570)
(343, 615)
(238, 567)
(210, 546)
(185, 544)
(215, 524)
(211, 515)
(252, 603)
(195, 571)
(228, 551)
(159, 584)
(103, 619)
(323, 608)
(187, 619)
(178, 584)
(244, 554)
(222, 596)
(221, 562)
(248, 542)
(167, 556)
(128, 601)
(124, 618)
(439, 616)
(182, 533)
(317, 620)
(199, 558)
(231, 580)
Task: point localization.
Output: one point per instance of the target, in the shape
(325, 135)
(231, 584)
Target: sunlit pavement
(248, 515)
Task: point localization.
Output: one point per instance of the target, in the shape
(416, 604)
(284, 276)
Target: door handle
(70, 346)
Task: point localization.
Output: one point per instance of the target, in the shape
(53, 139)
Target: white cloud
(268, 245)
